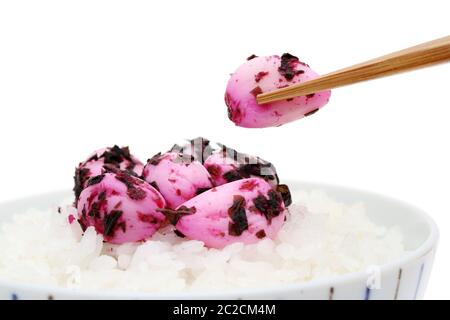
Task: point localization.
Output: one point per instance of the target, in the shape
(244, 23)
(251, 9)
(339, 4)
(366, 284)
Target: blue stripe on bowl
(14, 296)
(331, 293)
(367, 293)
(399, 278)
(419, 280)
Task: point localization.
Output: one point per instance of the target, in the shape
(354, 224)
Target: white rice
(320, 238)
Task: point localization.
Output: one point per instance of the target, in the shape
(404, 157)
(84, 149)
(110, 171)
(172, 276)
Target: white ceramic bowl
(403, 278)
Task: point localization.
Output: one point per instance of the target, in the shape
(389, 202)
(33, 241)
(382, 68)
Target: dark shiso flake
(214, 170)
(252, 57)
(95, 180)
(154, 185)
(260, 234)
(155, 160)
(311, 112)
(179, 233)
(256, 90)
(270, 207)
(231, 176)
(261, 169)
(247, 170)
(131, 183)
(81, 175)
(147, 218)
(288, 62)
(285, 194)
(116, 155)
(136, 193)
(95, 211)
(175, 215)
(110, 221)
(230, 103)
(275, 201)
(201, 190)
(102, 196)
(128, 180)
(235, 114)
(260, 75)
(238, 217)
(82, 225)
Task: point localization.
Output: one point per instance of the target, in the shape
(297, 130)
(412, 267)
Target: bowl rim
(325, 282)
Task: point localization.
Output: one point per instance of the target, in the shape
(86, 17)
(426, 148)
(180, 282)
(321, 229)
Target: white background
(79, 75)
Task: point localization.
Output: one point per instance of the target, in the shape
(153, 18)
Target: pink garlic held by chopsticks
(263, 74)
